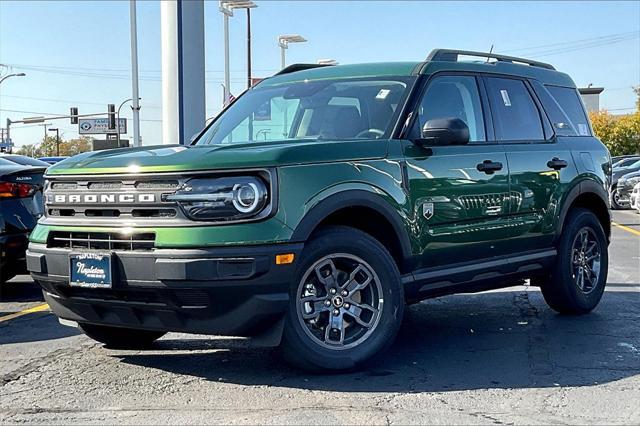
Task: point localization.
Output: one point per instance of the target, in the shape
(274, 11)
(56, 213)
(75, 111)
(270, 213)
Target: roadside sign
(100, 126)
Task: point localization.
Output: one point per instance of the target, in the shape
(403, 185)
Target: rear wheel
(579, 277)
(120, 338)
(346, 302)
(614, 199)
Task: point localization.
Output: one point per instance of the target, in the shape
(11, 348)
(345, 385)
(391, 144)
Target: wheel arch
(348, 208)
(592, 196)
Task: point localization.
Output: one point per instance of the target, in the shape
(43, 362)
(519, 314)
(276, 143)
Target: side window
(452, 97)
(570, 102)
(514, 111)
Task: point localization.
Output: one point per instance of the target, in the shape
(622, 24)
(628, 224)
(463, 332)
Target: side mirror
(444, 131)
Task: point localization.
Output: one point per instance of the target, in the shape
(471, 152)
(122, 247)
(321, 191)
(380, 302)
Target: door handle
(556, 163)
(488, 166)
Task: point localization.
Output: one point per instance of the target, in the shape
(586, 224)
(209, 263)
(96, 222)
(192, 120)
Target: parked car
(635, 198)
(324, 199)
(52, 160)
(24, 160)
(625, 186)
(625, 161)
(616, 175)
(21, 204)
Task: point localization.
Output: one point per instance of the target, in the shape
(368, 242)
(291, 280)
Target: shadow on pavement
(36, 327)
(500, 340)
(20, 291)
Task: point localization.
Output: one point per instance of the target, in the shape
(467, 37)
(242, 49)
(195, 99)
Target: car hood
(176, 158)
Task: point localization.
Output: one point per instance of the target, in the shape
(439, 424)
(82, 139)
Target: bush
(621, 134)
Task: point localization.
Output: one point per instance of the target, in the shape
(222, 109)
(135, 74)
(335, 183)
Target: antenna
(490, 52)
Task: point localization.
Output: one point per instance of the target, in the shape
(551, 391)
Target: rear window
(569, 100)
(515, 113)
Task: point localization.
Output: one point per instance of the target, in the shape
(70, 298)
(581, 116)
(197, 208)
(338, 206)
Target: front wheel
(346, 302)
(578, 279)
(120, 338)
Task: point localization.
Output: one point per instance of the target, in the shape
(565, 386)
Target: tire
(563, 290)
(613, 197)
(336, 342)
(120, 338)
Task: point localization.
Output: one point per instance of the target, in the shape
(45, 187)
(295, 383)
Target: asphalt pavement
(494, 357)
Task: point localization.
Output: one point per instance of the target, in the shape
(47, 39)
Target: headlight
(222, 199)
(633, 180)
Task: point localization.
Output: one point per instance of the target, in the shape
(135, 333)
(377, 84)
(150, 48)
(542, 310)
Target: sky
(78, 53)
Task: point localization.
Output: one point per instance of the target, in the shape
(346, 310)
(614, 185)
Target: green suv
(326, 198)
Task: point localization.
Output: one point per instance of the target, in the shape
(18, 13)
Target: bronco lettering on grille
(100, 198)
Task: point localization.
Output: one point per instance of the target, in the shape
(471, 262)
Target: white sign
(99, 126)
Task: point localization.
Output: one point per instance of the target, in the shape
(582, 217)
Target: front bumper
(236, 291)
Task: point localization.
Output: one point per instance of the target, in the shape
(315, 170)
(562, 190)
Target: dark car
(52, 160)
(624, 160)
(615, 176)
(325, 199)
(624, 188)
(21, 205)
(24, 160)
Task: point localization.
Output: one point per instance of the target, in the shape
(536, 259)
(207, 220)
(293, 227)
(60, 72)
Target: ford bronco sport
(324, 199)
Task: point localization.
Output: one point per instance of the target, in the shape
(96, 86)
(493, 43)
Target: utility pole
(57, 130)
(248, 47)
(134, 76)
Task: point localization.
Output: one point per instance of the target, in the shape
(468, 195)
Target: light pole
(283, 42)
(226, 7)
(134, 77)
(118, 121)
(19, 74)
(55, 129)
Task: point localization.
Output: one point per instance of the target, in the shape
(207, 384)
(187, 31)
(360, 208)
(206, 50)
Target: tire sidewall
(354, 242)
(583, 301)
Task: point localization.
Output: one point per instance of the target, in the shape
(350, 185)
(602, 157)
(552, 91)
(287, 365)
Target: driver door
(459, 193)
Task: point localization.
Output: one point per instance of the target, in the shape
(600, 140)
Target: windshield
(312, 110)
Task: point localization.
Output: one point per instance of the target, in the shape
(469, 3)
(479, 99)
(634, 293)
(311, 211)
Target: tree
(48, 147)
(621, 134)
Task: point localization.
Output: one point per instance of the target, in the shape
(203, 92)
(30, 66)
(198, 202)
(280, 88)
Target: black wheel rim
(586, 258)
(339, 301)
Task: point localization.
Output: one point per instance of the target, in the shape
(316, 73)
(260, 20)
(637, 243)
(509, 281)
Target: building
(591, 97)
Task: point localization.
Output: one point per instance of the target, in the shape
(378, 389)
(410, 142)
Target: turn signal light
(284, 259)
(16, 190)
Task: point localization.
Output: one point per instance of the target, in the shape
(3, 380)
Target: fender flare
(353, 198)
(582, 187)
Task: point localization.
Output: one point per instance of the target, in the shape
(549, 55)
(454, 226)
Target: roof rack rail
(300, 67)
(449, 55)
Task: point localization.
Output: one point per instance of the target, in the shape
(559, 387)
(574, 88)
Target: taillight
(16, 190)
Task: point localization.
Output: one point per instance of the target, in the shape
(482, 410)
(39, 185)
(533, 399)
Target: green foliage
(48, 147)
(621, 134)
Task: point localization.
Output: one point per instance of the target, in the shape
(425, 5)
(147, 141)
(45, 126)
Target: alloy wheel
(585, 260)
(339, 301)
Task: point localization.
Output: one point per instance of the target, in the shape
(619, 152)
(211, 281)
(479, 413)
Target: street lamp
(55, 129)
(283, 42)
(20, 74)
(226, 7)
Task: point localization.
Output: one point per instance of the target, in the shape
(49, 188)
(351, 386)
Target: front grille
(101, 241)
(106, 200)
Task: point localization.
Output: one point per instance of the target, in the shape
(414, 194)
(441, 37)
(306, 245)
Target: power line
(563, 43)
(152, 106)
(55, 114)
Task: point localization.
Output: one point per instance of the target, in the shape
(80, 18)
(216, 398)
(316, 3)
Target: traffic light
(112, 116)
(74, 115)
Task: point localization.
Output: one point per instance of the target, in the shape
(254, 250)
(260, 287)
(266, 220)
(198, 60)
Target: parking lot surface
(495, 357)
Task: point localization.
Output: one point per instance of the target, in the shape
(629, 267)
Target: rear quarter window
(569, 100)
